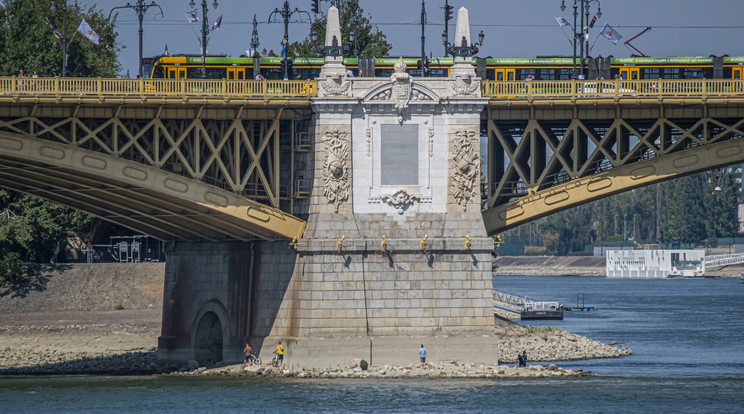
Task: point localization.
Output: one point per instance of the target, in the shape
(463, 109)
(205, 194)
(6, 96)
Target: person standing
(522, 359)
(280, 353)
(247, 352)
(422, 356)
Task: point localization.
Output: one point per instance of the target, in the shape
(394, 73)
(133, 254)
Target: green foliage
(28, 43)
(119, 307)
(371, 42)
(11, 267)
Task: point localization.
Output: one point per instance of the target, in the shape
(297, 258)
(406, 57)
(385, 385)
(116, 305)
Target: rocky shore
(105, 320)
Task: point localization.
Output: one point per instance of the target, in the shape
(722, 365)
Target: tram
(499, 69)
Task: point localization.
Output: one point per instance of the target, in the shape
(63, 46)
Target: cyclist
(280, 353)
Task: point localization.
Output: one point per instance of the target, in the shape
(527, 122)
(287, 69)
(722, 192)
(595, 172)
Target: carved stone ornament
(335, 169)
(336, 84)
(401, 89)
(465, 176)
(400, 200)
(465, 85)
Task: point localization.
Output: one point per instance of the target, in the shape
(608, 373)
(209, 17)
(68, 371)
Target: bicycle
(254, 359)
(275, 360)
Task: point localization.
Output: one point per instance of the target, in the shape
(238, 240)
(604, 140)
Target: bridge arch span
(144, 198)
(586, 189)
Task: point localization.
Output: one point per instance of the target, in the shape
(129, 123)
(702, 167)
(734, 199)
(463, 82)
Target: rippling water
(686, 337)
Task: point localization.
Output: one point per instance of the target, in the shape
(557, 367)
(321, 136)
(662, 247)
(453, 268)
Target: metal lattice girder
(227, 158)
(543, 159)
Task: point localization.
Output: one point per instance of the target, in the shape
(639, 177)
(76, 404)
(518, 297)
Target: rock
(364, 365)
(553, 367)
(192, 365)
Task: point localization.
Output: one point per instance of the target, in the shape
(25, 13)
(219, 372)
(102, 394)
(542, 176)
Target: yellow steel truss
(217, 164)
(543, 159)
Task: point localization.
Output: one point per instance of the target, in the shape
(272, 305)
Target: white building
(655, 263)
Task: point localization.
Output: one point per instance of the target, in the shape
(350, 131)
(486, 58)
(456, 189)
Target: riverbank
(575, 266)
(104, 319)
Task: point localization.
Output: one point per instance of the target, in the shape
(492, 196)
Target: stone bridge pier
(395, 253)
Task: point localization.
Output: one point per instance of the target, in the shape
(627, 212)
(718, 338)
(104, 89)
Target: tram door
(176, 73)
(630, 73)
(236, 73)
(502, 74)
(737, 72)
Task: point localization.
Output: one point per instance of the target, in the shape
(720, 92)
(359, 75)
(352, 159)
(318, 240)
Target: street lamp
(463, 50)
(204, 32)
(334, 49)
(286, 14)
(140, 8)
(585, 5)
(64, 33)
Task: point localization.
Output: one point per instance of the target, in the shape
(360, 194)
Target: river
(686, 337)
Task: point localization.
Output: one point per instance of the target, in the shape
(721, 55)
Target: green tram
(500, 69)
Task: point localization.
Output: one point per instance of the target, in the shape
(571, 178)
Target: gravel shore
(82, 333)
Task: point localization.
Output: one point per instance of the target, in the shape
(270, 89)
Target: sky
(512, 28)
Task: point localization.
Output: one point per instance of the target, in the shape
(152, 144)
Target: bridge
(346, 212)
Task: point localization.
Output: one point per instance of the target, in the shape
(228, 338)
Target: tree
(31, 227)
(371, 42)
(28, 43)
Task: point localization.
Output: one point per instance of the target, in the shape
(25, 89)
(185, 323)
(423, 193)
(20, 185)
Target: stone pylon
(395, 253)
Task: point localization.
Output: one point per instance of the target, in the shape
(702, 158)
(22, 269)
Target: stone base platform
(324, 353)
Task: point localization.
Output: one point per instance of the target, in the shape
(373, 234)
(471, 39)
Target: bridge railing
(612, 88)
(157, 87)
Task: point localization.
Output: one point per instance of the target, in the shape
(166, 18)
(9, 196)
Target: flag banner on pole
(192, 15)
(562, 22)
(216, 25)
(56, 32)
(610, 34)
(85, 30)
(594, 20)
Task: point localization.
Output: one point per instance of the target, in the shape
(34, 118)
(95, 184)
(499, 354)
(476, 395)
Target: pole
(446, 25)
(634, 221)
(624, 226)
(286, 13)
(140, 15)
(204, 39)
(581, 62)
(586, 36)
(423, 37)
(64, 39)
(576, 6)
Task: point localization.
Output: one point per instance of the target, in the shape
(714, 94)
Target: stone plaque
(399, 156)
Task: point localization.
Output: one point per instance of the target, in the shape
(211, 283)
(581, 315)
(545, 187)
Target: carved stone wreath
(400, 200)
(465, 85)
(466, 170)
(335, 85)
(335, 169)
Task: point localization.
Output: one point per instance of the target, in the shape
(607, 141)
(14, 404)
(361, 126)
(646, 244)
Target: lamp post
(286, 14)
(204, 33)
(334, 49)
(140, 8)
(64, 33)
(463, 50)
(585, 6)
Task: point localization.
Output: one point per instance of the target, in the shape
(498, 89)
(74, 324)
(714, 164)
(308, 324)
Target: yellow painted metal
(148, 89)
(165, 205)
(574, 89)
(582, 190)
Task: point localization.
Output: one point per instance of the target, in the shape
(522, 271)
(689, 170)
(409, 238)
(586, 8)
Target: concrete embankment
(548, 266)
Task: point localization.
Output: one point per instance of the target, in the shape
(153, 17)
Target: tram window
(383, 73)
(650, 73)
(159, 72)
(564, 74)
(491, 74)
(546, 74)
(670, 73)
(693, 73)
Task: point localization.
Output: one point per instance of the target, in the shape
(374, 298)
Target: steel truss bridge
(207, 159)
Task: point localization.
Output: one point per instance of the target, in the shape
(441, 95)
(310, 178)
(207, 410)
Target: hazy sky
(513, 28)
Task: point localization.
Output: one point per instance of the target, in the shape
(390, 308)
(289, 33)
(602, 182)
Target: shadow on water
(36, 279)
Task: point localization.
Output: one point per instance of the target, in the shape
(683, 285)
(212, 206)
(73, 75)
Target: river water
(687, 338)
